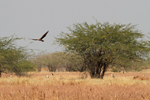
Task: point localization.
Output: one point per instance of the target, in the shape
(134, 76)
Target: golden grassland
(70, 86)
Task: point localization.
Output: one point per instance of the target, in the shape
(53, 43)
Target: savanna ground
(70, 86)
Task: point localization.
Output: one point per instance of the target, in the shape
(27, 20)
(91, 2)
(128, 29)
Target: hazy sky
(32, 18)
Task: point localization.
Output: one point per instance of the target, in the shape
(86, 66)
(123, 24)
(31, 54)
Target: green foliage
(21, 67)
(13, 59)
(59, 60)
(104, 44)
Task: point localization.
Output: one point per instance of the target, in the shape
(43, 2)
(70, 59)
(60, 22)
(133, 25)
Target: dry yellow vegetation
(70, 86)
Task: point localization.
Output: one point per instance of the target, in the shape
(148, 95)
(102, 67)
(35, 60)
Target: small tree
(38, 60)
(100, 45)
(48, 60)
(13, 59)
(59, 60)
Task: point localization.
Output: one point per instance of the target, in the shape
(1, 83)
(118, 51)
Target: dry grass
(71, 87)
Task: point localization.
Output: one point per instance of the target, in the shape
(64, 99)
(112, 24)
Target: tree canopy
(101, 45)
(13, 58)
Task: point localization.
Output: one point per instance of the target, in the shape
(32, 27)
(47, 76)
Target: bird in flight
(41, 37)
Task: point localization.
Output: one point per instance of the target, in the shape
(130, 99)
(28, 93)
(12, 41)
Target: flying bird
(41, 37)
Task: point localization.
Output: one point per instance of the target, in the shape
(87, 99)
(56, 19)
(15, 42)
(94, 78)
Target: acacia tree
(59, 60)
(49, 60)
(13, 59)
(74, 62)
(100, 45)
(38, 60)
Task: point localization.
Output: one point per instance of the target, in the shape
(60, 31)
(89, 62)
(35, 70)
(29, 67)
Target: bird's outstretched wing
(35, 39)
(44, 35)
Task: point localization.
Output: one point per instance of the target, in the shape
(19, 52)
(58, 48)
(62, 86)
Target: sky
(32, 18)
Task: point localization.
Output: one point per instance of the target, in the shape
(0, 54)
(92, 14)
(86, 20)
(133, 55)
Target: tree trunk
(92, 74)
(39, 69)
(0, 73)
(104, 69)
(97, 72)
(92, 71)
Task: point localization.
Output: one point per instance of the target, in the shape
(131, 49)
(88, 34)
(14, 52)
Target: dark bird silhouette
(41, 37)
